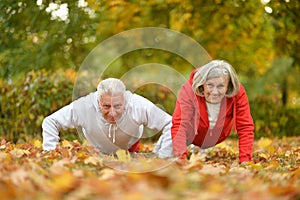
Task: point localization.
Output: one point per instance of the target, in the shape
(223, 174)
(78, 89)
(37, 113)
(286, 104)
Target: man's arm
(61, 119)
(153, 117)
(164, 147)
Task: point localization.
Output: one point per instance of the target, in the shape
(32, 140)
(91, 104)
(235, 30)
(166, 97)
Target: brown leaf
(282, 190)
(16, 152)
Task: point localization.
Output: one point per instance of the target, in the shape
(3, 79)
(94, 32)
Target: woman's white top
(213, 113)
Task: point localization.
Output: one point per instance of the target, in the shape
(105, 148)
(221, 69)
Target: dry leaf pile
(75, 171)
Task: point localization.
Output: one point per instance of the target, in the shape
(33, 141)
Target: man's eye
(106, 106)
(117, 106)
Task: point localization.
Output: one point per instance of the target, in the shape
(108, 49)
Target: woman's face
(112, 107)
(215, 89)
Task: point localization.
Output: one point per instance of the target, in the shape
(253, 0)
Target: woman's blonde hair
(215, 69)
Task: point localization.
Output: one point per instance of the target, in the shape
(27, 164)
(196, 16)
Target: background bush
(273, 119)
(25, 102)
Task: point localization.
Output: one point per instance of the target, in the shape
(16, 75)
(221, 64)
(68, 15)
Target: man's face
(215, 89)
(112, 107)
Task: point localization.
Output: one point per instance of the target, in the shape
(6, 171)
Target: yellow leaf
(216, 187)
(264, 143)
(273, 165)
(81, 155)
(66, 143)
(194, 157)
(37, 143)
(256, 166)
(63, 183)
(92, 160)
(271, 150)
(123, 155)
(263, 155)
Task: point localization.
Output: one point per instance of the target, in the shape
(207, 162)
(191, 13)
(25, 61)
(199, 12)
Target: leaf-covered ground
(75, 171)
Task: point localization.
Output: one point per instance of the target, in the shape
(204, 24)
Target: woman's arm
(244, 125)
(183, 119)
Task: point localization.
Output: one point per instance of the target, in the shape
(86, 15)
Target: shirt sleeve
(151, 116)
(163, 147)
(244, 126)
(183, 119)
(62, 119)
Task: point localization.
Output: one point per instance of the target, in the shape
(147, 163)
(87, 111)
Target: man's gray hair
(215, 69)
(111, 86)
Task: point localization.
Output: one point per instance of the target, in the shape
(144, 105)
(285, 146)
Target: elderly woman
(210, 104)
(111, 118)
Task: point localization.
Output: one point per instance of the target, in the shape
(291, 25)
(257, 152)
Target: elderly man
(111, 118)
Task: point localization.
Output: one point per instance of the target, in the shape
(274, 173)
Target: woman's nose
(214, 90)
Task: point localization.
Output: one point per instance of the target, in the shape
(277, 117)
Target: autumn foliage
(77, 171)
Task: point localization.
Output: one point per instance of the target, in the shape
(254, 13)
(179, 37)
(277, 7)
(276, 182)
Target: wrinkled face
(112, 107)
(215, 89)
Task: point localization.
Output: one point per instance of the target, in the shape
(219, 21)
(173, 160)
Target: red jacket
(191, 124)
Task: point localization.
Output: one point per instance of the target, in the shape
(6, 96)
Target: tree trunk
(284, 92)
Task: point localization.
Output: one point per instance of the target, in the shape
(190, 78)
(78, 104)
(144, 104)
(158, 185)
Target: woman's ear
(201, 90)
(229, 88)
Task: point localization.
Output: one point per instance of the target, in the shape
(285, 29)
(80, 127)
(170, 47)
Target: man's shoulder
(133, 97)
(136, 100)
(89, 100)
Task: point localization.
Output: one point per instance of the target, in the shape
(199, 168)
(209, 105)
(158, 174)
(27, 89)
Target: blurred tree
(37, 37)
(285, 19)
(32, 37)
(54, 34)
(232, 30)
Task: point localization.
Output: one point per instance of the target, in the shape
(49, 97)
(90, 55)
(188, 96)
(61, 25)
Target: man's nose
(112, 111)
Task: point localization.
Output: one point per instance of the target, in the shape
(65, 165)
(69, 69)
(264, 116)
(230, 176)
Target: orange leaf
(282, 190)
(63, 183)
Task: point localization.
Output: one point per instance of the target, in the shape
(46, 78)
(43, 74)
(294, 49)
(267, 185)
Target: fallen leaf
(16, 152)
(63, 183)
(93, 160)
(123, 156)
(37, 143)
(263, 143)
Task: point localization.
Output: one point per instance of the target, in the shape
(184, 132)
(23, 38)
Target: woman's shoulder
(241, 90)
(241, 95)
